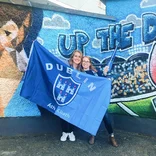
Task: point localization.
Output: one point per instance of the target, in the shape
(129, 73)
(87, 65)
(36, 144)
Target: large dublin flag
(79, 98)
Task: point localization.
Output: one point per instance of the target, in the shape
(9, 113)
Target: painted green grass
(142, 107)
(114, 108)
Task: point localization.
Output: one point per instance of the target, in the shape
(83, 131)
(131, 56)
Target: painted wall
(134, 70)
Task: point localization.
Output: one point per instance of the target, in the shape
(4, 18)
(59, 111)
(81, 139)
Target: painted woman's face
(8, 32)
(86, 63)
(77, 58)
(11, 36)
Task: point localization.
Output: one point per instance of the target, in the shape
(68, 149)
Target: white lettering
(85, 80)
(63, 113)
(60, 68)
(77, 75)
(51, 106)
(91, 86)
(49, 66)
(69, 70)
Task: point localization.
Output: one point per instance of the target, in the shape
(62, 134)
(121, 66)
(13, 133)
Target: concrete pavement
(130, 144)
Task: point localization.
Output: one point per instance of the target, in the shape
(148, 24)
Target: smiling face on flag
(64, 90)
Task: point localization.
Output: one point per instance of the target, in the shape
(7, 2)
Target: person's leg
(109, 128)
(91, 140)
(67, 131)
(71, 132)
(108, 124)
(64, 126)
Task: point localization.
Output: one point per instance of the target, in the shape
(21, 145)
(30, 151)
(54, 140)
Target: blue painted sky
(124, 11)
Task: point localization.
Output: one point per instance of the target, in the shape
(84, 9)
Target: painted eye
(7, 32)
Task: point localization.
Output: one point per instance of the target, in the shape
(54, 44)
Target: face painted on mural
(13, 32)
(8, 32)
(14, 26)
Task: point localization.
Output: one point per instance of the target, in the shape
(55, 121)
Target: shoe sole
(63, 140)
(72, 140)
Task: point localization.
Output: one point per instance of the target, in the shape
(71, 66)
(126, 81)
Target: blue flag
(79, 98)
(110, 63)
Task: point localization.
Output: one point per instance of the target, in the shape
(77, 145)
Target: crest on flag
(64, 90)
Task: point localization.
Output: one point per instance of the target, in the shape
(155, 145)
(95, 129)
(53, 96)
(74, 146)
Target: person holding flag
(67, 128)
(88, 68)
(66, 91)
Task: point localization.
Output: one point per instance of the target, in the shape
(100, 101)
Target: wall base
(49, 123)
(134, 124)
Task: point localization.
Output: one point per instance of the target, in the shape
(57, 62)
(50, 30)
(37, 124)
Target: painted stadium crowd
(130, 78)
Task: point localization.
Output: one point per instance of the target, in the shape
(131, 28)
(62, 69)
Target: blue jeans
(107, 123)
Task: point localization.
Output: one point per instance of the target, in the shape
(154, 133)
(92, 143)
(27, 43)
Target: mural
(133, 73)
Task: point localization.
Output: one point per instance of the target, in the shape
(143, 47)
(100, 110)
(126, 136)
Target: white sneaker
(64, 136)
(71, 136)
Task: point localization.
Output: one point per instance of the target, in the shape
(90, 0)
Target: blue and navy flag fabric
(79, 98)
(110, 63)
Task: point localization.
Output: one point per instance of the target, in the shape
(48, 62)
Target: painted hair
(91, 65)
(18, 14)
(71, 59)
